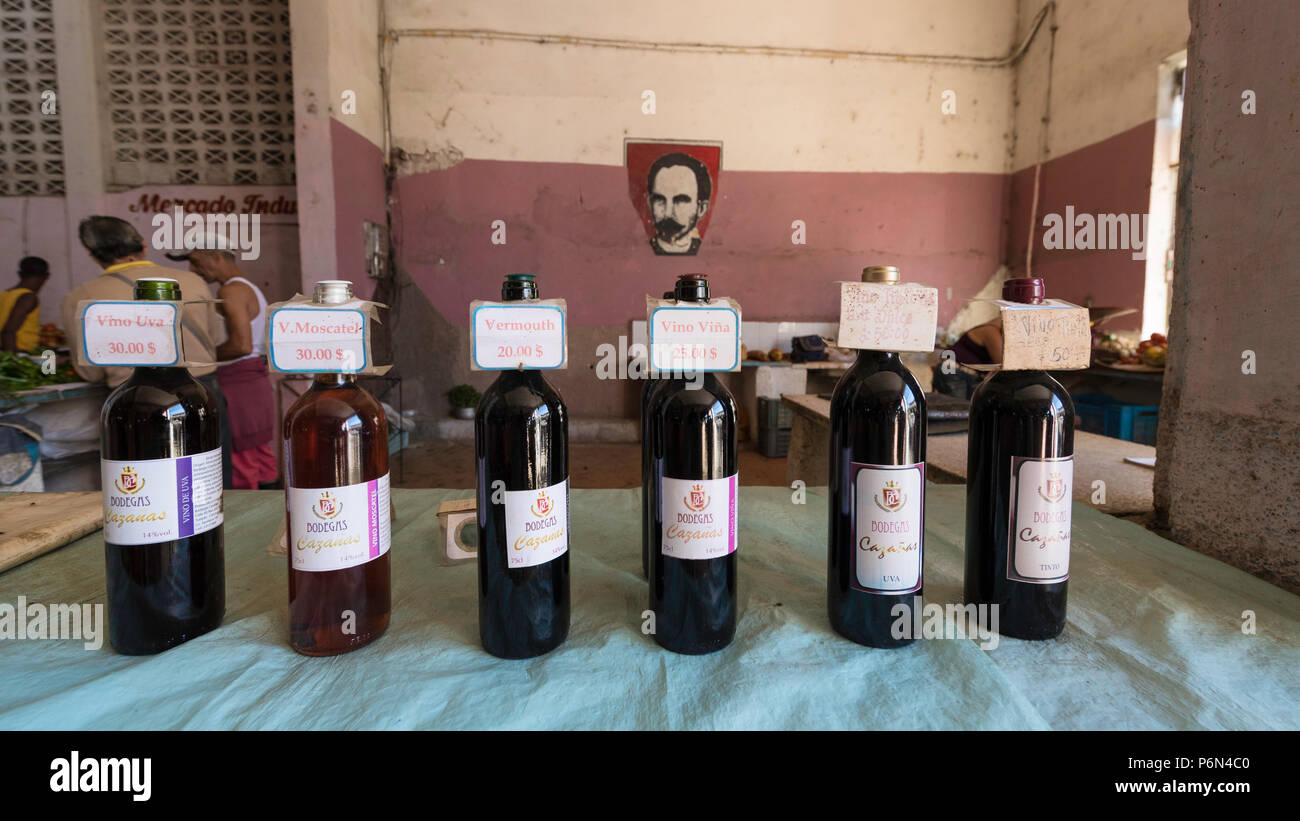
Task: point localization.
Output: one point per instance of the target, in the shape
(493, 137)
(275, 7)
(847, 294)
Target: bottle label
(332, 528)
(147, 501)
(537, 524)
(888, 527)
(1039, 541)
(699, 517)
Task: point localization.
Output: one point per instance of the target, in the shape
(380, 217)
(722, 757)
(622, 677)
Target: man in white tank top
(242, 371)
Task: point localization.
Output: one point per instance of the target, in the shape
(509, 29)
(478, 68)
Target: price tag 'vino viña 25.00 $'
(527, 334)
(693, 337)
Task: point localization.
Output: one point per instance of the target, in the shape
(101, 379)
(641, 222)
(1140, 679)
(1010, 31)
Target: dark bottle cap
(519, 286)
(668, 294)
(1028, 290)
(158, 289)
(692, 288)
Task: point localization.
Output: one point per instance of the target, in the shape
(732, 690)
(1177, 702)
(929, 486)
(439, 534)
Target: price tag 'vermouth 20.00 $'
(505, 336)
(694, 337)
(130, 334)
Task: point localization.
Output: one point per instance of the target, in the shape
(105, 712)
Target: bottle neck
(333, 380)
(880, 357)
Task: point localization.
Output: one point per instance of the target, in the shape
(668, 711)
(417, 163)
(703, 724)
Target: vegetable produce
(21, 373)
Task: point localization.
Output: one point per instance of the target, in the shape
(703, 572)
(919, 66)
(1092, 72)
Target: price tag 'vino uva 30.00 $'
(694, 337)
(505, 336)
(128, 334)
(318, 340)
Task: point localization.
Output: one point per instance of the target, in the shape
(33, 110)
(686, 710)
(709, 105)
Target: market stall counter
(1158, 636)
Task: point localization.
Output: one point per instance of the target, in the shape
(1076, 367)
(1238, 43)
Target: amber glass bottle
(161, 469)
(337, 494)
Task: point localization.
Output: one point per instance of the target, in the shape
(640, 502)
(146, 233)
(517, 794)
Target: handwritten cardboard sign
(528, 334)
(1051, 336)
(303, 336)
(130, 333)
(692, 337)
(880, 316)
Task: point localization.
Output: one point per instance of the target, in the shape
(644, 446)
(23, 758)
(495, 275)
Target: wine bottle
(694, 537)
(877, 494)
(647, 466)
(1020, 463)
(521, 441)
(160, 439)
(337, 498)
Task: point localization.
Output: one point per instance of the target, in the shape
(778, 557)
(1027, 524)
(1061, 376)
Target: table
(1127, 486)
(1154, 640)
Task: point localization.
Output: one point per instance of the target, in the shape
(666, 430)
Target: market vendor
(118, 248)
(981, 345)
(242, 369)
(20, 322)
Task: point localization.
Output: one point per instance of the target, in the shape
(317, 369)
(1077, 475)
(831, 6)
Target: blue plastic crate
(1136, 423)
(1090, 412)
(1099, 413)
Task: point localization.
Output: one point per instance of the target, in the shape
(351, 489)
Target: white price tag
(882, 317)
(318, 340)
(129, 333)
(505, 336)
(691, 339)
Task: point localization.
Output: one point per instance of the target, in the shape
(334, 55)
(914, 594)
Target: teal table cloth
(1154, 640)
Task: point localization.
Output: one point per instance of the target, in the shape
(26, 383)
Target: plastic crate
(1136, 423)
(1098, 413)
(774, 443)
(772, 414)
(1090, 412)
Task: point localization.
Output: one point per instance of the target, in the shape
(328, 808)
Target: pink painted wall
(1109, 177)
(574, 226)
(359, 195)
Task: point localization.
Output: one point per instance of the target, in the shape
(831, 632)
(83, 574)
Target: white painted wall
(494, 99)
(1104, 80)
(335, 49)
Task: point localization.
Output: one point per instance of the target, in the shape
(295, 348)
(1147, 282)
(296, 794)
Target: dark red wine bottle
(694, 537)
(1019, 492)
(337, 497)
(161, 470)
(521, 439)
(877, 495)
(648, 470)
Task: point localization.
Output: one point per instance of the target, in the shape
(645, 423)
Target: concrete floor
(450, 464)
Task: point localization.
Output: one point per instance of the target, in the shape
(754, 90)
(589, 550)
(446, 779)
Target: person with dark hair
(679, 189)
(20, 312)
(110, 240)
(118, 248)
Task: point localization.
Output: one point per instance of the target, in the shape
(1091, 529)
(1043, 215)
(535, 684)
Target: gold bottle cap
(881, 273)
